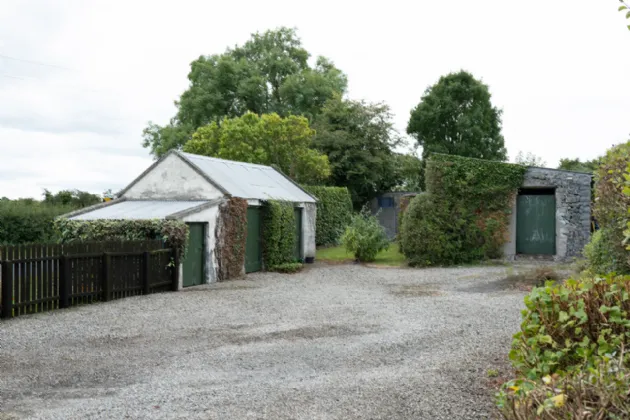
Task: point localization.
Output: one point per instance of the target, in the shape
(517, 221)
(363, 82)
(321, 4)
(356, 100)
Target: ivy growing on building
(231, 238)
(278, 237)
(334, 211)
(464, 215)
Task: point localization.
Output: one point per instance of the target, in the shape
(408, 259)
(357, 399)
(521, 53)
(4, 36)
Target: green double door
(536, 224)
(253, 247)
(193, 270)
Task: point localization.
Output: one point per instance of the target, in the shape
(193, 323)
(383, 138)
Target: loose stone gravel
(332, 342)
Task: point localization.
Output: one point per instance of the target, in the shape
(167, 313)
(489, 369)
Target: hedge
(464, 215)
(334, 211)
(174, 233)
(278, 234)
(23, 222)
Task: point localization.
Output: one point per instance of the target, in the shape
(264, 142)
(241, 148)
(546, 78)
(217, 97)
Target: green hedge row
(463, 216)
(23, 222)
(334, 212)
(278, 234)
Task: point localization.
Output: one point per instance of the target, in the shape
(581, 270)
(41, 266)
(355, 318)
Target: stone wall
(573, 210)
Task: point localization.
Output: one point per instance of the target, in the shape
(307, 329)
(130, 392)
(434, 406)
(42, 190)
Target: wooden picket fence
(44, 277)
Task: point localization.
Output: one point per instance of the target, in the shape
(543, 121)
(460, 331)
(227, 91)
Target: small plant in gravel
(492, 373)
(365, 237)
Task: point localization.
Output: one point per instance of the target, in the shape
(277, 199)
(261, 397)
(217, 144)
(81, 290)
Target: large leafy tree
(577, 165)
(455, 116)
(270, 73)
(358, 138)
(268, 140)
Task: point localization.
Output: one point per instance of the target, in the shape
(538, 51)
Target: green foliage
(268, 140)
(625, 8)
(455, 116)
(567, 327)
(231, 239)
(174, 233)
(71, 198)
(268, 74)
(463, 216)
(334, 211)
(278, 235)
(358, 139)
(364, 237)
(529, 159)
(287, 267)
(588, 166)
(605, 253)
(410, 172)
(24, 221)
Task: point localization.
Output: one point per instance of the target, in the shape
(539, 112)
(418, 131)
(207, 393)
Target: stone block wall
(573, 210)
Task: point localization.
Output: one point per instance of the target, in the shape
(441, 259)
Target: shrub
(597, 393)
(365, 237)
(567, 327)
(287, 267)
(25, 221)
(463, 216)
(231, 238)
(174, 233)
(278, 234)
(334, 211)
(605, 253)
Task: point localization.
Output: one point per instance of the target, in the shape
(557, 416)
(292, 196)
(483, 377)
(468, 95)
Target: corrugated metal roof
(154, 209)
(248, 180)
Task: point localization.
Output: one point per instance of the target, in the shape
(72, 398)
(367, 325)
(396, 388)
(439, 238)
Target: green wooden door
(298, 234)
(194, 262)
(536, 224)
(253, 254)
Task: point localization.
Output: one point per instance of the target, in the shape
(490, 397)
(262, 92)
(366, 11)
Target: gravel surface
(332, 342)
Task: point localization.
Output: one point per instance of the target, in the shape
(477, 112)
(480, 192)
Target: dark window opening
(537, 191)
(386, 202)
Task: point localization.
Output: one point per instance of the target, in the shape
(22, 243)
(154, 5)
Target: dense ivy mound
(334, 211)
(278, 234)
(463, 216)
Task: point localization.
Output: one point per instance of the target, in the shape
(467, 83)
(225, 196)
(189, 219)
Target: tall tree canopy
(577, 165)
(270, 73)
(358, 139)
(268, 140)
(455, 116)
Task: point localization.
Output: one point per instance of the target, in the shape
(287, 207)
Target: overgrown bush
(279, 238)
(231, 239)
(288, 267)
(27, 221)
(334, 211)
(364, 237)
(601, 392)
(567, 327)
(464, 215)
(174, 233)
(605, 254)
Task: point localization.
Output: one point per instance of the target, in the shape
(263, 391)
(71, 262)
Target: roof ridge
(231, 162)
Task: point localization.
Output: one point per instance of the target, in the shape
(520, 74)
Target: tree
(72, 198)
(270, 73)
(268, 140)
(358, 139)
(455, 116)
(409, 168)
(529, 159)
(624, 6)
(588, 166)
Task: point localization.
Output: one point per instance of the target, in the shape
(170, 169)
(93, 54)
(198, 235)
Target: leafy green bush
(605, 254)
(287, 267)
(567, 327)
(334, 211)
(364, 237)
(174, 233)
(464, 215)
(600, 392)
(279, 237)
(27, 221)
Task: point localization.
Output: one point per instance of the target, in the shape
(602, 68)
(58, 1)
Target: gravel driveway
(342, 341)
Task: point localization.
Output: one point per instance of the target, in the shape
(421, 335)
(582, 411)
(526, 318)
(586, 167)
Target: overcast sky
(79, 80)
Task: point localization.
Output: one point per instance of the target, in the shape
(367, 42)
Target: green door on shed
(253, 254)
(536, 224)
(298, 234)
(193, 264)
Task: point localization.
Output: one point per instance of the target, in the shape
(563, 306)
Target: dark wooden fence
(40, 277)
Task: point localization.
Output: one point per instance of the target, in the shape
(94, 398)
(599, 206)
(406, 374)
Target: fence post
(107, 278)
(64, 282)
(175, 270)
(7, 289)
(145, 273)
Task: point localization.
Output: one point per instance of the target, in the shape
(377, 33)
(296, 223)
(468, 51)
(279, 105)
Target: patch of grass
(390, 257)
(492, 373)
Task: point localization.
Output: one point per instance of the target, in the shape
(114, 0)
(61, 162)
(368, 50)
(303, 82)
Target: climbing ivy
(463, 216)
(334, 211)
(231, 238)
(278, 234)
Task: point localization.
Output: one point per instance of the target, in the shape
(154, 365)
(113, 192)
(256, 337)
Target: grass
(389, 257)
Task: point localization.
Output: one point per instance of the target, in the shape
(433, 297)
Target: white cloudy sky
(559, 71)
